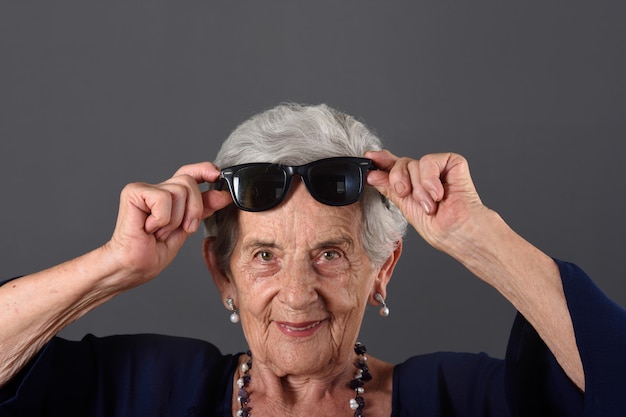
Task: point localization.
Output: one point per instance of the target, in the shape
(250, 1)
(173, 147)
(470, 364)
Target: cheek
(255, 311)
(350, 296)
(256, 296)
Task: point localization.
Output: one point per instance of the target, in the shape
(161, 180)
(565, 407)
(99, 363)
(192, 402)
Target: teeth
(300, 329)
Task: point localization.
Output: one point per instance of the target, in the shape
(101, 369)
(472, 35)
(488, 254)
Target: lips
(299, 329)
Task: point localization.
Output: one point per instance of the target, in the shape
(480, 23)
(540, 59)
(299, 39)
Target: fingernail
(425, 206)
(399, 187)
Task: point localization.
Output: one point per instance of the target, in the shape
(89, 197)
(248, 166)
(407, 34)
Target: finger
(214, 200)
(405, 177)
(200, 172)
(419, 193)
(157, 204)
(201, 204)
(391, 178)
(432, 169)
(383, 159)
(137, 202)
(179, 195)
(400, 178)
(190, 201)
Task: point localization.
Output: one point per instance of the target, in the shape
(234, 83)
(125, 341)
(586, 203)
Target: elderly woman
(313, 236)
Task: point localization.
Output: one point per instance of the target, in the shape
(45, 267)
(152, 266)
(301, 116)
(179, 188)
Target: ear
(385, 273)
(222, 281)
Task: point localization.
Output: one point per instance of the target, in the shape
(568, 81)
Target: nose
(298, 288)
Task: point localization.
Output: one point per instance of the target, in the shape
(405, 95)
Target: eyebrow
(259, 243)
(342, 242)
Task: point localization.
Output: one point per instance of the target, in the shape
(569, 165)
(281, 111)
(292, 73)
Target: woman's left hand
(436, 194)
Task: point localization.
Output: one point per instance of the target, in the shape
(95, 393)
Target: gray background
(94, 95)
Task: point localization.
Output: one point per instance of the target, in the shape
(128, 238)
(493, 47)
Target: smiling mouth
(299, 327)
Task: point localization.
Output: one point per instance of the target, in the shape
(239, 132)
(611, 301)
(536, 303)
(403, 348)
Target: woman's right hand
(155, 220)
(153, 223)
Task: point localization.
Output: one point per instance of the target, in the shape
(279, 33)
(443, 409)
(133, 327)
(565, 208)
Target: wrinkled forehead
(301, 221)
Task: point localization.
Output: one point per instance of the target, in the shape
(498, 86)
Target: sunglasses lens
(335, 182)
(259, 187)
(262, 186)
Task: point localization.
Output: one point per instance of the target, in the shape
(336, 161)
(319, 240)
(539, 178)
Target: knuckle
(196, 208)
(413, 165)
(132, 187)
(395, 175)
(459, 158)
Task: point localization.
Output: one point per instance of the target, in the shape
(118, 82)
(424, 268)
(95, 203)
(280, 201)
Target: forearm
(37, 306)
(528, 278)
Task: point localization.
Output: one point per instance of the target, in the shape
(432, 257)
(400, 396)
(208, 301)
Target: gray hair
(294, 134)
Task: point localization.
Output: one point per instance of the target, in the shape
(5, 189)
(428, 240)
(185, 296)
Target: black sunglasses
(261, 186)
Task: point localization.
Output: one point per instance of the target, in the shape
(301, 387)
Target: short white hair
(295, 134)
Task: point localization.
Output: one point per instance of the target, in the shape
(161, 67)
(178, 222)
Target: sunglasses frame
(363, 165)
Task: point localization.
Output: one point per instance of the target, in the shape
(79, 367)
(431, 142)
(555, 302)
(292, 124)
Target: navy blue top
(152, 375)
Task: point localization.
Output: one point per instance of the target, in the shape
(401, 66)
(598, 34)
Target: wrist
(117, 271)
(485, 245)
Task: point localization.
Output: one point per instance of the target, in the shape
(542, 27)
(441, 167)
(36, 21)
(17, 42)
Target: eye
(265, 256)
(330, 255)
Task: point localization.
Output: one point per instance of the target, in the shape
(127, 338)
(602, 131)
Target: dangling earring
(384, 310)
(234, 315)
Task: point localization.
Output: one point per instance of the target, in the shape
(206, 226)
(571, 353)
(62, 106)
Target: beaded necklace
(357, 384)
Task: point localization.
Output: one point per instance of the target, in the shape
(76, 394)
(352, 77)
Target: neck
(289, 391)
(328, 392)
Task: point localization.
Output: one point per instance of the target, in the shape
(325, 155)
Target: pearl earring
(384, 310)
(234, 315)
